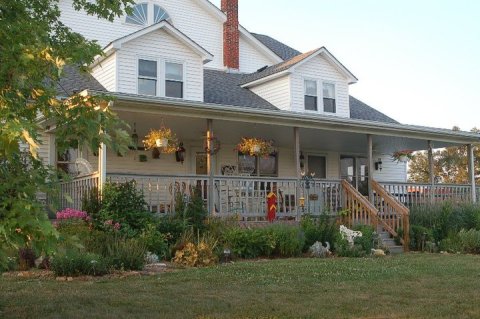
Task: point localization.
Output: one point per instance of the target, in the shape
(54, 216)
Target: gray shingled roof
(361, 111)
(281, 49)
(74, 81)
(279, 67)
(224, 88)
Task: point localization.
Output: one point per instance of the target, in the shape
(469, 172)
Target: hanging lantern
(180, 153)
(134, 137)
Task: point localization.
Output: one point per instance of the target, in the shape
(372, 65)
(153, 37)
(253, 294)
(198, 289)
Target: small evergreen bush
(76, 263)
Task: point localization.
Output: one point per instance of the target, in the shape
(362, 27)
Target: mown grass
(407, 286)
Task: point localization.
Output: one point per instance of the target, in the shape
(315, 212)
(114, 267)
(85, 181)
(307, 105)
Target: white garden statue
(349, 234)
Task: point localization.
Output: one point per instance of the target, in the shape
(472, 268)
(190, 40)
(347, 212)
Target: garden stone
(378, 252)
(317, 250)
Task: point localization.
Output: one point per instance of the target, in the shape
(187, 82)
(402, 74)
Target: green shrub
(465, 241)
(344, 249)
(323, 229)
(91, 203)
(126, 254)
(361, 245)
(417, 234)
(443, 219)
(154, 241)
(192, 211)
(125, 205)
(75, 263)
(276, 240)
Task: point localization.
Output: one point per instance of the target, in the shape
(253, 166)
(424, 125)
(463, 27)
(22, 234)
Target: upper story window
(311, 98)
(329, 104)
(147, 77)
(174, 80)
(147, 13)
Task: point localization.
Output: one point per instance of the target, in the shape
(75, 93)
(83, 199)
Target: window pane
(329, 90)
(329, 105)
(317, 165)
(147, 87)
(268, 166)
(311, 103)
(174, 71)
(139, 15)
(310, 88)
(174, 89)
(159, 14)
(147, 68)
(247, 164)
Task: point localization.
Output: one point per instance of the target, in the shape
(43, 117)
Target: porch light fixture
(302, 161)
(379, 165)
(180, 153)
(134, 137)
(301, 202)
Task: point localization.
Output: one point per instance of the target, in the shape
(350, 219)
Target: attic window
(140, 14)
(311, 99)
(329, 104)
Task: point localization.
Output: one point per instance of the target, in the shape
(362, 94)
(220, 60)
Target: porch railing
(242, 196)
(71, 193)
(392, 213)
(415, 194)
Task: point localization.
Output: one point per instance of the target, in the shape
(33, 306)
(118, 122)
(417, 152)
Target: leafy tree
(450, 164)
(35, 46)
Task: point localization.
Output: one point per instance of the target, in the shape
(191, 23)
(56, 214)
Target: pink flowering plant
(70, 213)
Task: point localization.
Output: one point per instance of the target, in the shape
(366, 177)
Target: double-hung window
(174, 80)
(311, 99)
(329, 104)
(147, 77)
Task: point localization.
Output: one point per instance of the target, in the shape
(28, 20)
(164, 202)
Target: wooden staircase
(387, 215)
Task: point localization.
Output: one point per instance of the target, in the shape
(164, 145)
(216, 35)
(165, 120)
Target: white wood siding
(250, 58)
(391, 171)
(186, 15)
(321, 70)
(106, 73)
(160, 46)
(276, 92)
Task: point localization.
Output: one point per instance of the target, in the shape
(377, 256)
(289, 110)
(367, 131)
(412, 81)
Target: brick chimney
(231, 35)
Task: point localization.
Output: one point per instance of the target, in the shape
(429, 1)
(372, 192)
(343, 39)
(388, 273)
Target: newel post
(102, 166)
(431, 168)
(471, 172)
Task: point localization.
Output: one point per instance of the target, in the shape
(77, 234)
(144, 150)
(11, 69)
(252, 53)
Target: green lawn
(412, 285)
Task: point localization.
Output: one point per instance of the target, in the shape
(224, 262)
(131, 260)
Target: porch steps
(386, 241)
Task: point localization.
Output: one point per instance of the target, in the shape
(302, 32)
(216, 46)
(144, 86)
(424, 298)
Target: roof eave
(266, 79)
(286, 118)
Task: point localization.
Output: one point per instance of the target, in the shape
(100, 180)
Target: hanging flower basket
(163, 139)
(255, 146)
(402, 156)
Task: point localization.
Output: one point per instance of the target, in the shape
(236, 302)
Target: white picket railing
(415, 194)
(71, 193)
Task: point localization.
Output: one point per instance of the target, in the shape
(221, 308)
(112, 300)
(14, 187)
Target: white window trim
(319, 95)
(184, 75)
(335, 86)
(161, 69)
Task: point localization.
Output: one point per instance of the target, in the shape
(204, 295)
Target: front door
(355, 170)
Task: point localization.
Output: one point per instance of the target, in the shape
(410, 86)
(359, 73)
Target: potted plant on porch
(255, 146)
(402, 156)
(163, 139)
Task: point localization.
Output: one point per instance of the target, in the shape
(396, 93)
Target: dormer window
(329, 104)
(311, 98)
(174, 80)
(141, 14)
(147, 77)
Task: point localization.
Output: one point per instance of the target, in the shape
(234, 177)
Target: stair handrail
(368, 207)
(398, 208)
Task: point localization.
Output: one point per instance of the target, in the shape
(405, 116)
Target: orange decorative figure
(271, 206)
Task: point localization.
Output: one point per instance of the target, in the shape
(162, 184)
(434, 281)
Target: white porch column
(431, 169)
(471, 171)
(296, 153)
(370, 166)
(210, 166)
(102, 166)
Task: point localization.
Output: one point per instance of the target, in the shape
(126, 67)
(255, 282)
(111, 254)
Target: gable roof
(281, 49)
(288, 66)
(170, 29)
(74, 81)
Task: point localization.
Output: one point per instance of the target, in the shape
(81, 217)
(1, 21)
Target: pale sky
(417, 61)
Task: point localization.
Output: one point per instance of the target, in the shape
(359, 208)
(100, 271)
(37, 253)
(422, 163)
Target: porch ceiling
(191, 129)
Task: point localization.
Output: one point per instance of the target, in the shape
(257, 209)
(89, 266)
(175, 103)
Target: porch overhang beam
(163, 106)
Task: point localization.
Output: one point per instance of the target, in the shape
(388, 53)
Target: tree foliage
(450, 165)
(35, 46)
